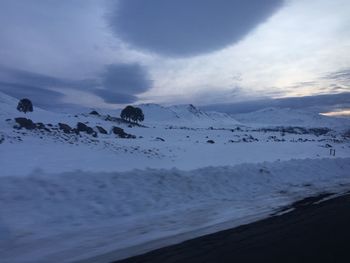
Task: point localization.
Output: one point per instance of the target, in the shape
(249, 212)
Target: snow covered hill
(291, 117)
(184, 115)
(8, 107)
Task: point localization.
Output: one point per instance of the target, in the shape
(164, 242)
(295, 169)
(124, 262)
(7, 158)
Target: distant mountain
(318, 103)
(290, 117)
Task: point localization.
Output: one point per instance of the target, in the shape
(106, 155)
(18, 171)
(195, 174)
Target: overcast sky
(99, 53)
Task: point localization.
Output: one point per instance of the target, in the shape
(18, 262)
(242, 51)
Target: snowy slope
(8, 107)
(75, 216)
(155, 113)
(193, 115)
(290, 117)
(7, 103)
(183, 115)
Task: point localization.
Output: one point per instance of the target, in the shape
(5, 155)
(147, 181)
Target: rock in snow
(122, 134)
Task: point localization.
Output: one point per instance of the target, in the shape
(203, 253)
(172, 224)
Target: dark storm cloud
(24, 84)
(119, 83)
(24, 77)
(39, 96)
(187, 27)
(115, 97)
(122, 82)
(38, 87)
(33, 79)
(319, 103)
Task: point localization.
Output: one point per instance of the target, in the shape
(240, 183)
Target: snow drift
(78, 215)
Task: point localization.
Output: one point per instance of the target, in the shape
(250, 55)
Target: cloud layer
(117, 84)
(103, 53)
(187, 27)
(122, 82)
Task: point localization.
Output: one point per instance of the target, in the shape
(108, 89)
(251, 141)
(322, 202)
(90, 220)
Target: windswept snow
(77, 215)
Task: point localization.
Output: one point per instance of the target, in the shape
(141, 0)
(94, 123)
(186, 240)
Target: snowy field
(73, 195)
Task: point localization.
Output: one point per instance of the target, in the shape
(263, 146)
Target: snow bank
(77, 215)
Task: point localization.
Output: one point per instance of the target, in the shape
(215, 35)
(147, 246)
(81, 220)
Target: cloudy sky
(103, 53)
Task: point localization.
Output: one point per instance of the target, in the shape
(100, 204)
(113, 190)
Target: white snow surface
(67, 197)
(76, 216)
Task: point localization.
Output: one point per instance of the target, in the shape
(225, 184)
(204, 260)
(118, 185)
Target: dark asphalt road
(310, 233)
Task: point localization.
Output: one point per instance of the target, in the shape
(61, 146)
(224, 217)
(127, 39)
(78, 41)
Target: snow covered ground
(78, 215)
(67, 196)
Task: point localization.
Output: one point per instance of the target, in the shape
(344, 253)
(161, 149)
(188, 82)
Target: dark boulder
(81, 127)
(65, 127)
(347, 134)
(101, 130)
(94, 113)
(119, 131)
(108, 118)
(30, 125)
(210, 141)
(319, 131)
(41, 126)
(25, 123)
(122, 134)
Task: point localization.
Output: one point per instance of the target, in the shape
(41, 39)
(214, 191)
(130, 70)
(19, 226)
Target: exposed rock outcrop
(121, 133)
(101, 130)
